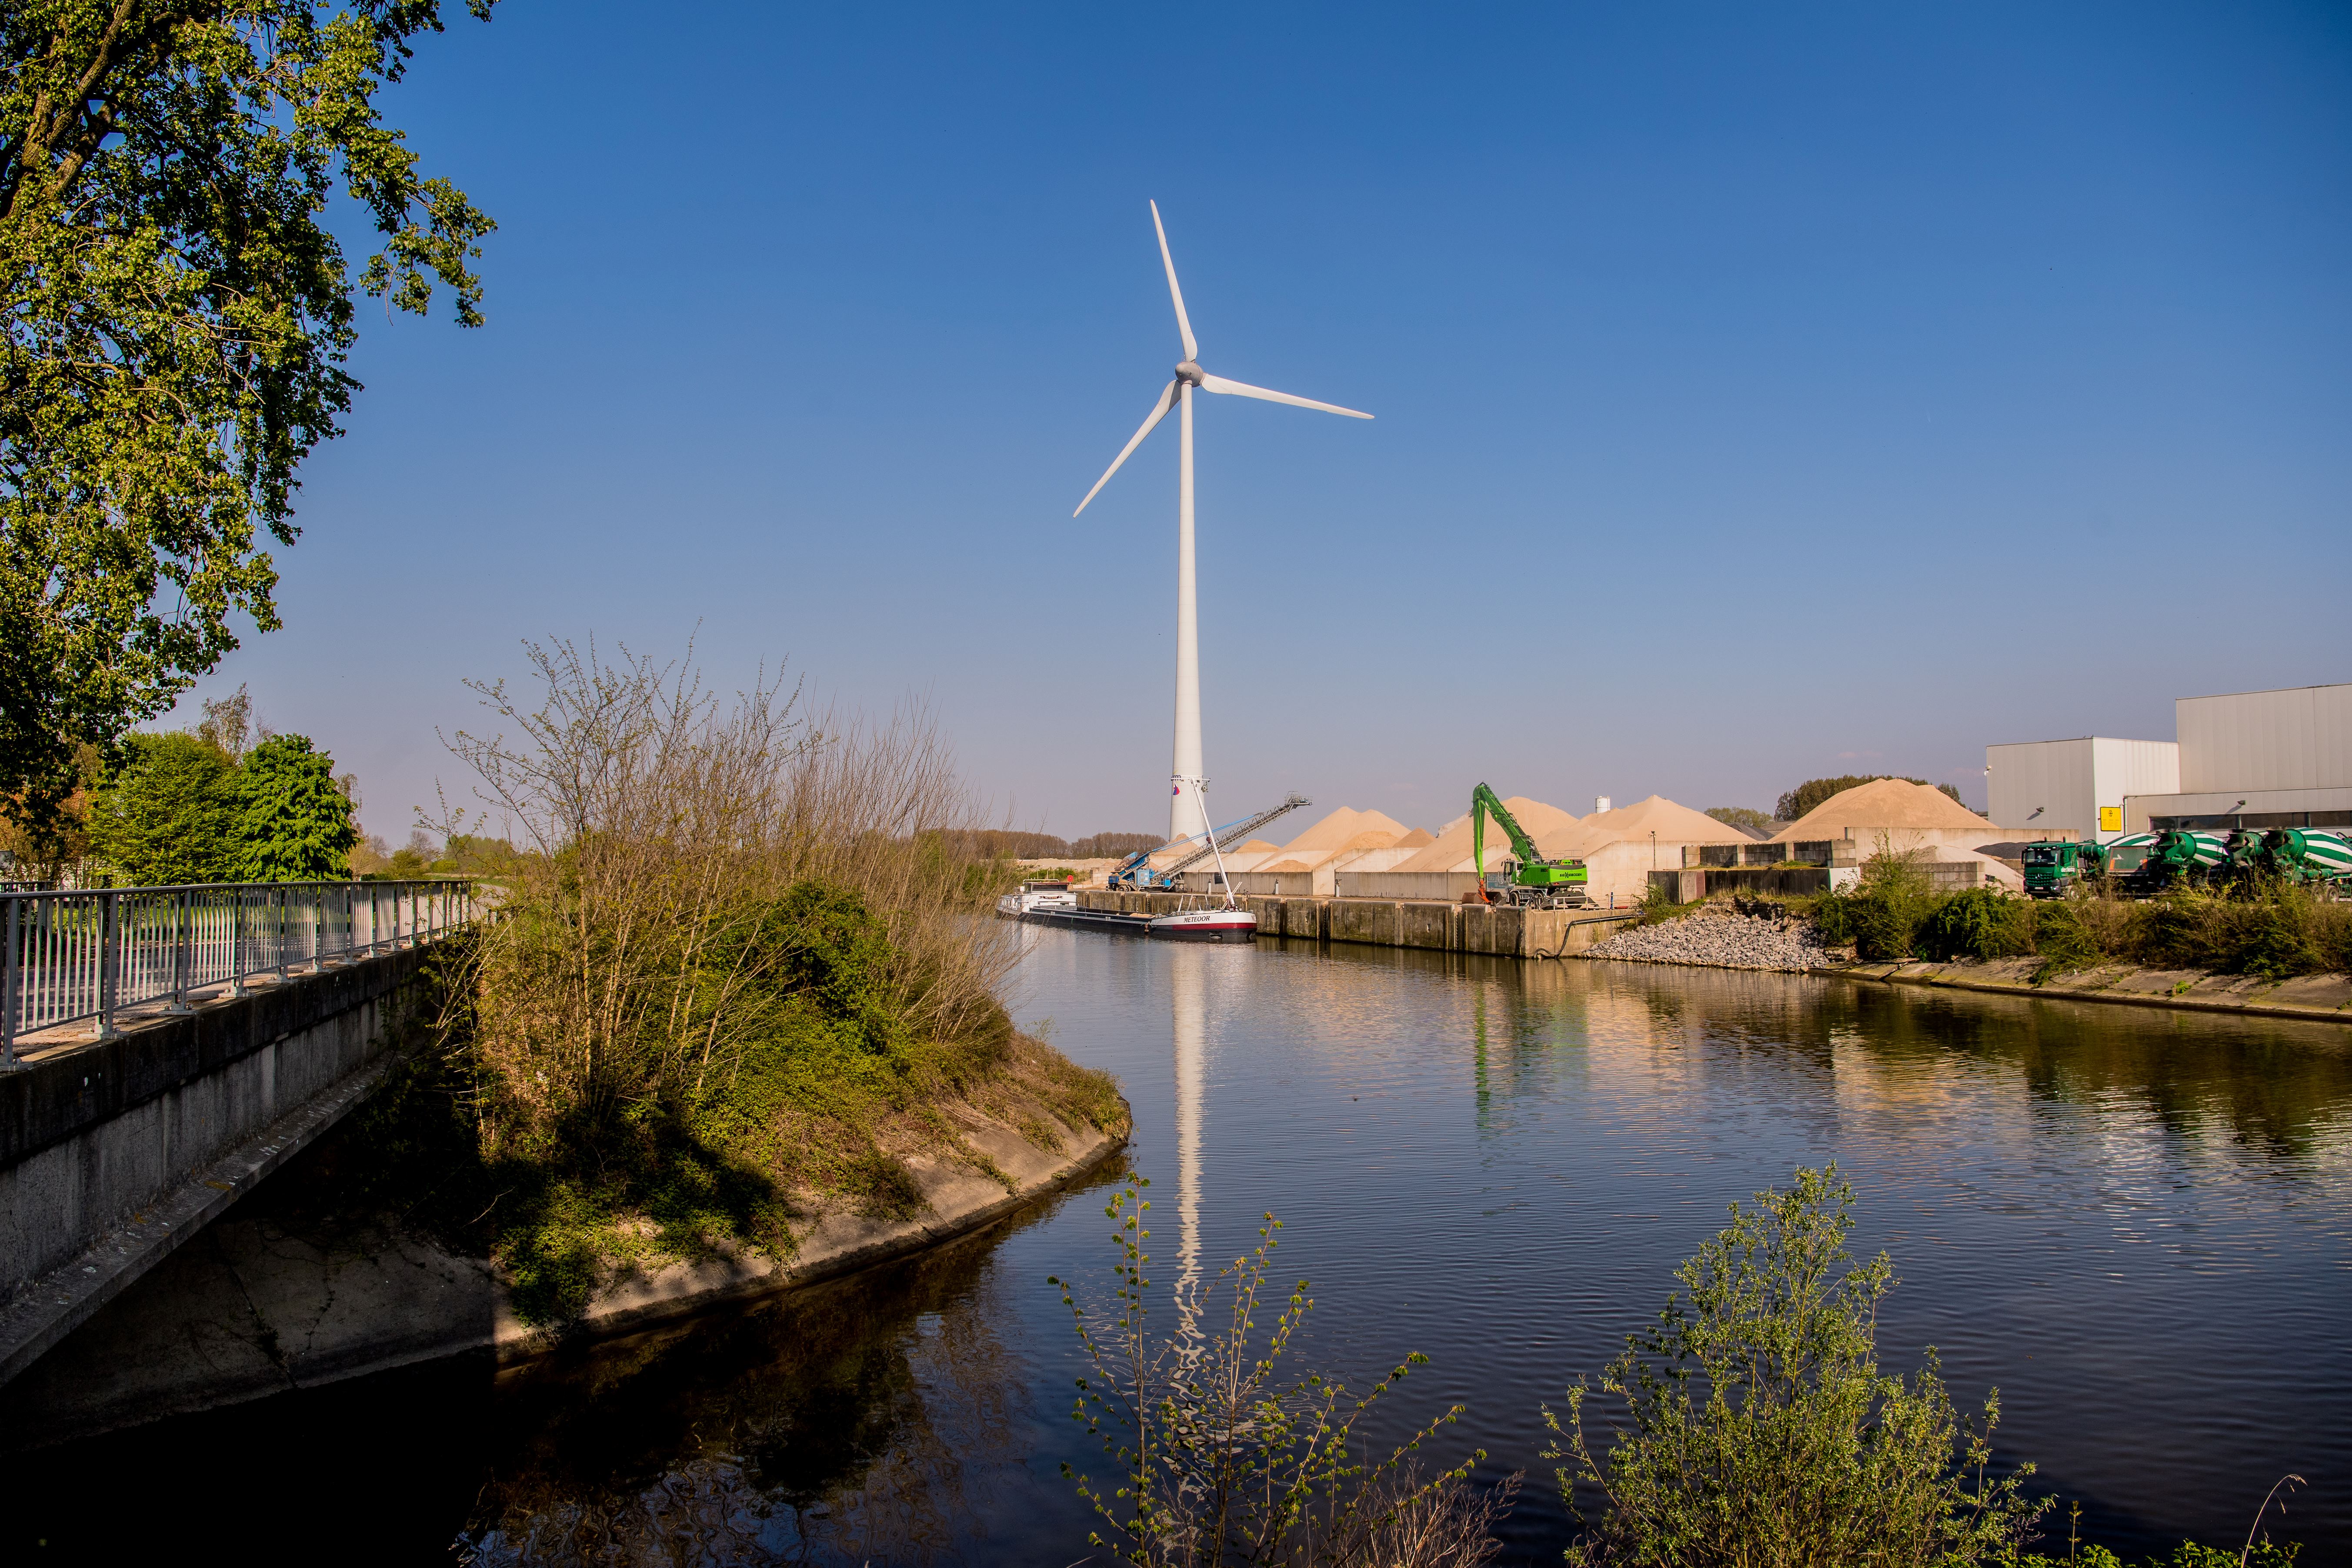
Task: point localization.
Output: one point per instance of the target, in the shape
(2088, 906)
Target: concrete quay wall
(1498, 930)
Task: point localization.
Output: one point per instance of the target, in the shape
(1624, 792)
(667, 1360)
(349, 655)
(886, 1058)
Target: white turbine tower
(1187, 817)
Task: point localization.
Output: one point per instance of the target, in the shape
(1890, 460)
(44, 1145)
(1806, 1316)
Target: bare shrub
(1223, 1454)
(743, 956)
(637, 948)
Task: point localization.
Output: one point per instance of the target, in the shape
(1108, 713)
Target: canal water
(2136, 1224)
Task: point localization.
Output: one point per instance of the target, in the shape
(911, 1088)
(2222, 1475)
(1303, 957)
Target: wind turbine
(1187, 817)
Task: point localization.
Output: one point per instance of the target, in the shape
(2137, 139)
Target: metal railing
(68, 956)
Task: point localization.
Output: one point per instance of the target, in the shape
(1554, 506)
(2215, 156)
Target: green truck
(1529, 880)
(2051, 869)
(2304, 855)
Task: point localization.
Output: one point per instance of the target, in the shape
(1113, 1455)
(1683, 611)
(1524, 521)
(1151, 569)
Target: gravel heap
(1727, 940)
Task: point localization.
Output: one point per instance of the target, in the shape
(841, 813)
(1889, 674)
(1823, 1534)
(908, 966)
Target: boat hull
(1091, 920)
(1206, 925)
(1192, 925)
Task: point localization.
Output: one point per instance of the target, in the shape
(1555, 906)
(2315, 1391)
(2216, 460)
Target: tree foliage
(1747, 818)
(169, 814)
(1758, 1430)
(175, 316)
(293, 820)
(179, 809)
(1813, 791)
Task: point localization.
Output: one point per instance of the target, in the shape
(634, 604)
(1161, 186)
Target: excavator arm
(1485, 803)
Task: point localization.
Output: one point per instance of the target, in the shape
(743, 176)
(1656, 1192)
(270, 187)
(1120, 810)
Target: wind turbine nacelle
(1189, 372)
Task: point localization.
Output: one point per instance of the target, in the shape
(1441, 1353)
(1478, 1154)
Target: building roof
(1882, 803)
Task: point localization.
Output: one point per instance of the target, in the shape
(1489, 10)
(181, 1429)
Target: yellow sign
(2111, 819)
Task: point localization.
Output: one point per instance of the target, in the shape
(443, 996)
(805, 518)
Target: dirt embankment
(276, 1298)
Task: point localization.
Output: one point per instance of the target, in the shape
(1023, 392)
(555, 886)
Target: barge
(1053, 904)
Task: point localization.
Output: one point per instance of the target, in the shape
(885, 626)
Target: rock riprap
(1727, 941)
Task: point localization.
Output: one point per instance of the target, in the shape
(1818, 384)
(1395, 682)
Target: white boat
(1034, 897)
(1053, 904)
(1206, 925)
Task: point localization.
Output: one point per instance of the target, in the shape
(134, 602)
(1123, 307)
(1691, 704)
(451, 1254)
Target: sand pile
(1883, 803)
(1334, 831)
(1672, 822)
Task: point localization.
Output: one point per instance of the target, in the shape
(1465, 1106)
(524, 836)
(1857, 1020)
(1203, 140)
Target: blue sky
(1761, 394)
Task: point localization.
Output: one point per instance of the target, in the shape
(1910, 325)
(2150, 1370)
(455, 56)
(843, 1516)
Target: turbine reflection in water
(1188, 1008)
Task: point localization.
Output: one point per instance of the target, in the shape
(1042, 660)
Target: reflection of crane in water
(1478, 1073)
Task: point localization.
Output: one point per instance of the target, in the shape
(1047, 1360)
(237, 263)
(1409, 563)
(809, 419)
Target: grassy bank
(743, 972)
(811, 1124)
(2274, 931)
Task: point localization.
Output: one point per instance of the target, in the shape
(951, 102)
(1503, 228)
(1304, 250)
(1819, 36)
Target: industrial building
(2246, 759)
(2061, 789)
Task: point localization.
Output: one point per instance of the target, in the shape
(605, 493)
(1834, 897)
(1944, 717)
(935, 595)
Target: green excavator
(1529, 881)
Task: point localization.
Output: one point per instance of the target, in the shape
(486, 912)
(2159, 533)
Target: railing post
(11, 1004)
(184, 918)
(285, 928)
(110, 958)
(237, 942)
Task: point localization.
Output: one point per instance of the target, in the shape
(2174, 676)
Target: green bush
(1758, 1430)
(1882, 914)
(2274, 931)
(1979, 924)
(2262, 928)
(821, 1058)
(168, 812)
(2064, 937)
(294, 822)
(2188, 1554)
(2182, 929)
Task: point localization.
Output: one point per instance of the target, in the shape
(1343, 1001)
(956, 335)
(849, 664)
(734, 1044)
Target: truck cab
(2051, 869)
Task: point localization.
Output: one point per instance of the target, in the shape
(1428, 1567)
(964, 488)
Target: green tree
(1745, 817)
(294, 821)
(1759, 1431)
(1813, 791)
(175, 317)
(169, 814)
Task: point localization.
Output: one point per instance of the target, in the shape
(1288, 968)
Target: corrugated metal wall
(2054, 775)
(2296, 738)
(2121, 768)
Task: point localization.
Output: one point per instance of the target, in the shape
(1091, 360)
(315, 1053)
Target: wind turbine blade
(1244, 389)
(1183, 325)
(1158, 411)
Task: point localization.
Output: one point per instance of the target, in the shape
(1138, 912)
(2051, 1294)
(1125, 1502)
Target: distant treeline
(1003, 844)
